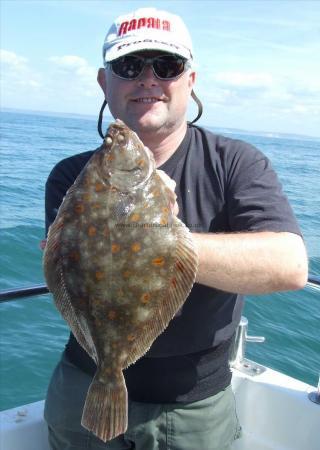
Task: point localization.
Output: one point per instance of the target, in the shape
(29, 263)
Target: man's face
(148, 104)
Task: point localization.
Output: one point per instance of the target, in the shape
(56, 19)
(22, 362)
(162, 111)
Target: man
(247, 238)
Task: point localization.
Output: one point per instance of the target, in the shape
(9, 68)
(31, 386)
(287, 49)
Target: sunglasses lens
(166, 67)
(128, 67)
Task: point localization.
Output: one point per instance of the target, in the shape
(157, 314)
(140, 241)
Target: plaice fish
(120, 265)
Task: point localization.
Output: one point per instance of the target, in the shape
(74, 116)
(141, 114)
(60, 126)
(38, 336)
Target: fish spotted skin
(120, 265)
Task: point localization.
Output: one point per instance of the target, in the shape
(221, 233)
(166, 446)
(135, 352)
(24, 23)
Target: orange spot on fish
(99, 187)
(156, 192)
(131, 337)
(164, 220)
(115, 248)
(136, 247)
(165, 210)
(180, 266)
(74, 255)
(135, 217)
(126, 274)
(92, 231)
(141, 162)
(99, 275)
(145, 298)
(110, 157)
(112, 315)
(79, 208)
(158, 262)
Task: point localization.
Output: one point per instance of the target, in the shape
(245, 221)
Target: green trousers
(209, 424)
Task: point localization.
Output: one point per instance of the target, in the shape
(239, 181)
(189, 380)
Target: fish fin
(52, 262)
(105, 411)
(185, 270)
(74, 318)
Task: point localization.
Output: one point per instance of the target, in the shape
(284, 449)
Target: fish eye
(121, 138)
(108, 141)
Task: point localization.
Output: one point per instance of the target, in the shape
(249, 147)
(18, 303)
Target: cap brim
(132, 45)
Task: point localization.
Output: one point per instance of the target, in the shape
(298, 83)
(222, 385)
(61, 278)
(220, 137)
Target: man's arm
(252, 262)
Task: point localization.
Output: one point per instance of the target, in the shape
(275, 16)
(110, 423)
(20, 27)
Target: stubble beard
(159, 124)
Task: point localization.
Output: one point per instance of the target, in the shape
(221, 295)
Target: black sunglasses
(165, 67)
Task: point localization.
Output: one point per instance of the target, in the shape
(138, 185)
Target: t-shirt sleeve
(59, 181)
(57, 185)
(255, 198)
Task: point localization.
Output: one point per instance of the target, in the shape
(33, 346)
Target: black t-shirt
(223, 186)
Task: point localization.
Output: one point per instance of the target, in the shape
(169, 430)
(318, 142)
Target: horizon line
(274, 134)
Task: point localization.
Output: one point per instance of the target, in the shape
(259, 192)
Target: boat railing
(41, 289)
(238, 350)
(23, 292)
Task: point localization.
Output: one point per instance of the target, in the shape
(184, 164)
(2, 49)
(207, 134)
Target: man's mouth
(146, 100)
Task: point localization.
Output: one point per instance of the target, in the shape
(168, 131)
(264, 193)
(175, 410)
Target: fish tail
(105, 411)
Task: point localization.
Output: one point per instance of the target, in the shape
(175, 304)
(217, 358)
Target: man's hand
(171, 184)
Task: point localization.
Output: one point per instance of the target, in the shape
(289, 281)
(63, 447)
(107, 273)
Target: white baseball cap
(147, 29)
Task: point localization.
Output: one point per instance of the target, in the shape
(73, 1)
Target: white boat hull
(276, 413)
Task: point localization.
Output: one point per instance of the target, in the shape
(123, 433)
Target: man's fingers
(43, 244)
(167, 180)
(175, 208)
(171, 184)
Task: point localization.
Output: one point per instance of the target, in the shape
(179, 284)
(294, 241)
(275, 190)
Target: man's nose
(147, 78)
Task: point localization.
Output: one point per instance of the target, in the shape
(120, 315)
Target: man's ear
(102, 80)
(192, 79)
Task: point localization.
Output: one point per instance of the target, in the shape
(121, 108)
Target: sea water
(32, 331)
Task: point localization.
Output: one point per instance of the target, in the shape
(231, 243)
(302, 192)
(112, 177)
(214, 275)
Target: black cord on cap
(199, 104)
(104, 104)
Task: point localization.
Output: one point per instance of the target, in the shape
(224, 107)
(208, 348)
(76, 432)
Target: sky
(257, 62)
